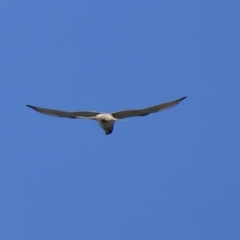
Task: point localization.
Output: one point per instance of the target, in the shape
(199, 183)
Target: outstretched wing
(146, 111)
(58, 113)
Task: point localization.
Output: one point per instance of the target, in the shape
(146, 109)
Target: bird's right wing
(58, 113)
(146, 111)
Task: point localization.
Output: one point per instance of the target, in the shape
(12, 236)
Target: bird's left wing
(146, 111)
(59, 113)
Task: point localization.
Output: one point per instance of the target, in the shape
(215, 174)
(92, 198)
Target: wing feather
(146, 111)
(59, 113)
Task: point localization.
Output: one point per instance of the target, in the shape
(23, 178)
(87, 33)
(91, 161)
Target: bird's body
(107, 125)
(107, 120)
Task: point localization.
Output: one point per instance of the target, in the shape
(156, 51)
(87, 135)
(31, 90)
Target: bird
(107, 120)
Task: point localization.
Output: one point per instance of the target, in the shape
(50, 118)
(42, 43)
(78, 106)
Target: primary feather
(146, 111)
(59, 113)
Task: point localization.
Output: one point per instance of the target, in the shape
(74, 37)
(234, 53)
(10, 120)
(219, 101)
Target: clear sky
(172, 175)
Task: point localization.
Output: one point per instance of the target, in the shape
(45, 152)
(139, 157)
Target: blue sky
(171, 175)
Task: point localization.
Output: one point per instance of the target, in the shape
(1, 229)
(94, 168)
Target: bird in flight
(107, 120)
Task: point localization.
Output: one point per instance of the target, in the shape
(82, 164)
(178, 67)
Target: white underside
(107, 126)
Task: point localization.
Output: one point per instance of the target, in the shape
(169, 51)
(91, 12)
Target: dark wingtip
(29, 106)
(182, 98)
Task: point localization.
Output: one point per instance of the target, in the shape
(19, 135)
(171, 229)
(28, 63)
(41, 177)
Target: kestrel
(107, 120)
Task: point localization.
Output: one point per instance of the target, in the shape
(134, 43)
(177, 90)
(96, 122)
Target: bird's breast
(106, 124)
(104, 117)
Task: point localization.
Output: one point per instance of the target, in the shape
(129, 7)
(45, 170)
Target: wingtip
(182, 98)
(29, 106)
